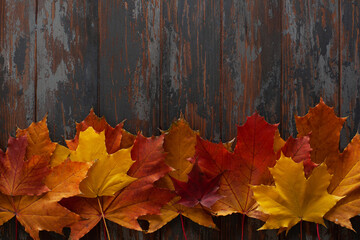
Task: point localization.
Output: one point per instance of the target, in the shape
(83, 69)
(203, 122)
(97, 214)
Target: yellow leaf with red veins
(108, 174)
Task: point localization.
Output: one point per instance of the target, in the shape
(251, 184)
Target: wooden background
(216, 61)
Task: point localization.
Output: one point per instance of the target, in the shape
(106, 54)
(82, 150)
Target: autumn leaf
(300, 151)
(43, 212)
(113, 136)
(179, 143)
(39, 142)
(60, 154)
(65, 178)
(20, 177)
(325, 128)
(346, 182)
(199, 189)
(121, 209)
(108, 174)
(35, 214)
(171, 210)
(248, 164)
(278, 141)
(127, 139)
(294, 198)
(135, 200)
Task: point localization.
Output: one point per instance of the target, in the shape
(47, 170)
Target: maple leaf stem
(182, 225)
(317, 231)
(301, 229)
(242, 226)
(103, 217)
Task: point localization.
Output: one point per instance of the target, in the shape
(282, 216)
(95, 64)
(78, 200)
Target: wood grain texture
(251, 62)
(310, 62)
(129, 58)
(350, 68)
(190, 65)
(66, 63)
(17, 103)
(129, 63)
(349, 60)
(17, 65)
(190, 45)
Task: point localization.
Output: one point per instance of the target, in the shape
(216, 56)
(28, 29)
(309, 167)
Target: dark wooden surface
(147, 61)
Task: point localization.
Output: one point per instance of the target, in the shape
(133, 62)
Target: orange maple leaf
(346, 182)
(39, 142)
(180, 141)
(325, 128)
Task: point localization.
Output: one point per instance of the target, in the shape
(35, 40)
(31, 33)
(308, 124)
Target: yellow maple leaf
(294, 198)
(278, 141)
(108, 173)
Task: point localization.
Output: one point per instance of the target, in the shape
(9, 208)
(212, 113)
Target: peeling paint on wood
(17, 103)
(310, 46)
(252, 32)
(66, 63)
(17, 22)
(190, 65)
(129, 63)
(350, 68)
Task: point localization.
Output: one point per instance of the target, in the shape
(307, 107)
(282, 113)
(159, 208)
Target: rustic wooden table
(216, 61)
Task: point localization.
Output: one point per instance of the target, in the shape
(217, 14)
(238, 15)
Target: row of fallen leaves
(108, 173)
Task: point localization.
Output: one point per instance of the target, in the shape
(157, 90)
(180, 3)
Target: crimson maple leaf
(300, 151)
(199, 189)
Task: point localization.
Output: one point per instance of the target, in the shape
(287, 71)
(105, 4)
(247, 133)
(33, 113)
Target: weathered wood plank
(350, 83)
(17, 61)
(251, 81)
(190, 83)
(251, 62)
(190, 65)
(350, 68)
(310, 49)
(17, 64)
(129, 58)
(66, 67)
(66, 63)
(129, 63)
